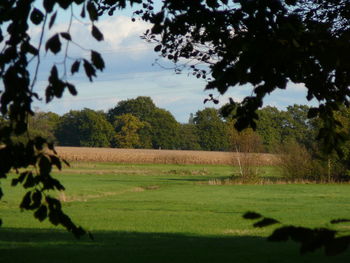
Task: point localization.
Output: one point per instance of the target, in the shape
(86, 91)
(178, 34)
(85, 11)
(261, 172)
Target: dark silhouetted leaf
(41, 213)
(97, 60)
(25, 204)
(53, 44)
(92, 11)
(48, 5)
(30, 182)
(44, 165)
(158, 48)
(96, 33)
(75, 66)
(89, 70)
(56, 161)
(64, 3)
(66, 36)
(71, 89)
(52, 19)
(36, 16)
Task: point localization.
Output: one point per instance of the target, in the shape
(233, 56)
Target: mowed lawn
(169, 213)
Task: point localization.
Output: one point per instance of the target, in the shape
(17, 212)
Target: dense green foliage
(84, 128)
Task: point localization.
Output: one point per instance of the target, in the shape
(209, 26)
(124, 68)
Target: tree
(163, 128)
(44, 124)
(270, 127)
(142, 107)
(266, 44)
(189, 137)
(212, 131)
(126, 128)
(84, 128)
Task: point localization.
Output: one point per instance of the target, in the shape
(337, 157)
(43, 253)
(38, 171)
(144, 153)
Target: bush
(245, 144)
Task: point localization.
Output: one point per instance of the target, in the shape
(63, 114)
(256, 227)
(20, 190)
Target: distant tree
(211, 130)
(271, 127)
(44, 124)
(301, 128)
(141, 107)
(189, 139)
(126, 128)
(84, 128)
(163, 128)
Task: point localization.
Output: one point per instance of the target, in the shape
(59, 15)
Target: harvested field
(139, 156)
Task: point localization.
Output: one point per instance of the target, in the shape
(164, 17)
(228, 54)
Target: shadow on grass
(34, 245)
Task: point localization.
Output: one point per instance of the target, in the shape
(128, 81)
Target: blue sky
(130, 73)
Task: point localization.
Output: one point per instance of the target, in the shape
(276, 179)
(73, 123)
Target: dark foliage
(265, 44)
(32, 159)
(310, 239)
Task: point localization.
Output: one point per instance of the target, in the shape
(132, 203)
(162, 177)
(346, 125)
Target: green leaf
(96, 33)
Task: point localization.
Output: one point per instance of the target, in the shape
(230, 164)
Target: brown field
(139, 156)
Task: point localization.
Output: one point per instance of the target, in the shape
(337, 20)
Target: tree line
(138, 123)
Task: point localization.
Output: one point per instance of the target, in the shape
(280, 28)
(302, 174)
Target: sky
(131, 71)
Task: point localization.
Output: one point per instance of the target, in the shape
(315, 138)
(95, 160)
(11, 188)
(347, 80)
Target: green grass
(168, 213)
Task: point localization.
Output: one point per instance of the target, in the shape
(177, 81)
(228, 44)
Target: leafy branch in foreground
(32, 159)
(332, 241)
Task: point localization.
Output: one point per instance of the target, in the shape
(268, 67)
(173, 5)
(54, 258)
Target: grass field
(168, 213)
